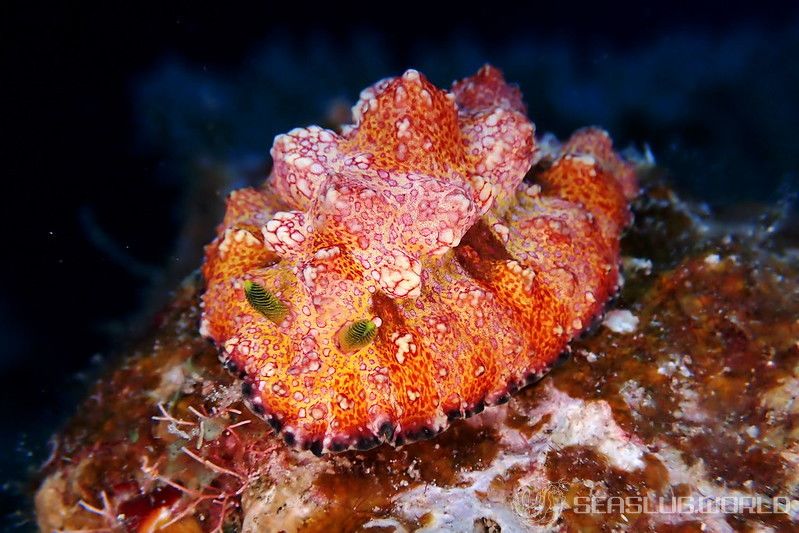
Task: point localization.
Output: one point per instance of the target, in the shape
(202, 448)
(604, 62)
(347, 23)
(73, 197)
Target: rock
(698, 402)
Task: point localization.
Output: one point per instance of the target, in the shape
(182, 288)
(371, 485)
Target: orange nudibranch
(412, 269)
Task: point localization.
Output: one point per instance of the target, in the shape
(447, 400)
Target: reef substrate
(678, 413)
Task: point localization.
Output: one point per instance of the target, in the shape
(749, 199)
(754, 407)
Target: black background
(73, 153)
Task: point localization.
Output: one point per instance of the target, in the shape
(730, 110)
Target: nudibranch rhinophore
(411, 270)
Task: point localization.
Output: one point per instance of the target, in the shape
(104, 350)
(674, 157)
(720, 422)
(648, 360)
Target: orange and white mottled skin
(416, 217)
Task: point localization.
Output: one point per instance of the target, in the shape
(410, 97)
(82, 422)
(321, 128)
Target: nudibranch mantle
(408, 271)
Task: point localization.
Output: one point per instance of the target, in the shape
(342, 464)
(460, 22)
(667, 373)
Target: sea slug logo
(697, 504)
(542, 504)
(539, 506)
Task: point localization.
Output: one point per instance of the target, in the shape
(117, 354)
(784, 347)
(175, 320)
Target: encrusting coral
(402, 274)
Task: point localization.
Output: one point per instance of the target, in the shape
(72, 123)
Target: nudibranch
(412, 269)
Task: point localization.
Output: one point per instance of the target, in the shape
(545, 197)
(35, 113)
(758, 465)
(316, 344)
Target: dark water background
(128, 125)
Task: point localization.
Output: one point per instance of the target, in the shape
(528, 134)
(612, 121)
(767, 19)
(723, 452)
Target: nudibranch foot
(412, 270)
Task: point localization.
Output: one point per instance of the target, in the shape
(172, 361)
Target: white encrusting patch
(620, 321)
(638, 264)
(564, 421)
